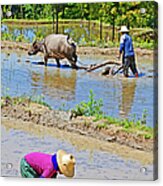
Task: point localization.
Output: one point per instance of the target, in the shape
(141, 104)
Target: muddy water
(63, 88)
(92, 163)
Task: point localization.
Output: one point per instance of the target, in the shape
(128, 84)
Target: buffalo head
(35, 48)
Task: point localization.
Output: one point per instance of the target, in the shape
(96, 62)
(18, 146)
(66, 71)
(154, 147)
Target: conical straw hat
(66, 163)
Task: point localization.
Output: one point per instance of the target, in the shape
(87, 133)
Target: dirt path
(79, 141)
(8, 45)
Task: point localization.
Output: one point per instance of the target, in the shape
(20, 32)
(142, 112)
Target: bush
(91, 108)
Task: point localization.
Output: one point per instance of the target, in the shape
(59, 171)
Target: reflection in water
(58, 83)
(128, 93)
(64, 86)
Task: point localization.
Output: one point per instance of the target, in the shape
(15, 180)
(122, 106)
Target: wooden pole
(57, 10)
(100, 29)
(94, 67)
(53, 16)
(113, 30)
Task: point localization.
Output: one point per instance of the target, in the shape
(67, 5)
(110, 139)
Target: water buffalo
(56, 46)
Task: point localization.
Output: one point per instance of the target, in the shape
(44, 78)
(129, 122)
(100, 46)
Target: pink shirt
(42, 163)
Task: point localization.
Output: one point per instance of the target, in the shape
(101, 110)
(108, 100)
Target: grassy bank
(94, 108)
(105, 128)
(9, 46)
(49, 21)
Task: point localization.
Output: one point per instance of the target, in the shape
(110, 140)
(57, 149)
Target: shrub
(91, 108)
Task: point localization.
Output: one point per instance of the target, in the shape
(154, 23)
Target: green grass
(145, 45)
(94, 108)
(139, 42)
(23, 21)
(102, 126)
(90, 108)
(127, 125)
(32, 99)
(49, 20)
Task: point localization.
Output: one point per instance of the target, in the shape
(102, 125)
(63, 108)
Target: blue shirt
(126, 45)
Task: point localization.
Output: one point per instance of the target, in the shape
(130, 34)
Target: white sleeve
(122, 39)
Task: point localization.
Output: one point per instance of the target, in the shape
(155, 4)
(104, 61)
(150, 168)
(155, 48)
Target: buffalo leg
(45, 60)
(58, 63)
(73, 64)
(75, 57)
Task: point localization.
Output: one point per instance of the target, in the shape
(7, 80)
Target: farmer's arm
(46, 173)
(122, 45)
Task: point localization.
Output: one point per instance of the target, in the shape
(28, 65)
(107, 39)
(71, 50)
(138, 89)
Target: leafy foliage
(90, 108)
(121, 12)
(94, 108)
(109, 13)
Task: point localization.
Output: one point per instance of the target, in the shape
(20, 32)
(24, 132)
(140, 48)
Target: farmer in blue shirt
(128, 57)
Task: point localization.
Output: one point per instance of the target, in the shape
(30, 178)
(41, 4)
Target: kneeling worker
(41, 165)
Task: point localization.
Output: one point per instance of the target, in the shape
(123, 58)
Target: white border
(25, 182)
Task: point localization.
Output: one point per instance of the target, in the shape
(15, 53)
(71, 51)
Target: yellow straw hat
(66, 163)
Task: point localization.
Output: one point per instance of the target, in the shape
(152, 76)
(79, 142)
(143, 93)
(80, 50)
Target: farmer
(41, 165)
(127, 52)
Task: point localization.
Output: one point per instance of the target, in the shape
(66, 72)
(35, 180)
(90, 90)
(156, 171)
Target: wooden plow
(108, 70)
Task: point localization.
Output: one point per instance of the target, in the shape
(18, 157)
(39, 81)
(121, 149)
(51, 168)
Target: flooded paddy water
(63, 88)
(94, 160)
